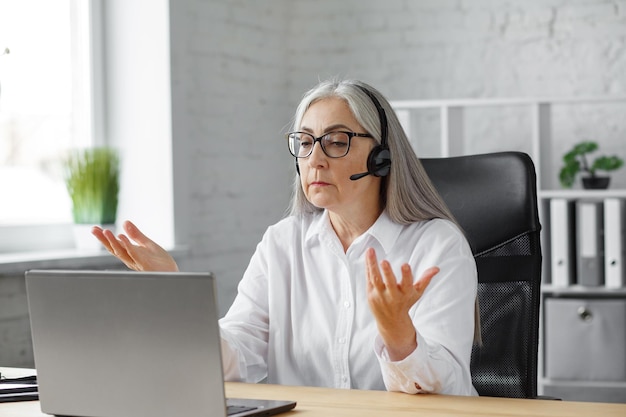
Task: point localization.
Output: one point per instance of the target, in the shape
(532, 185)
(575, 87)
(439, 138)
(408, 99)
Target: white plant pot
(85, 241)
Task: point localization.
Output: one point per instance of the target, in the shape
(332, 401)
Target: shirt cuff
(400, 375)
(231, 363)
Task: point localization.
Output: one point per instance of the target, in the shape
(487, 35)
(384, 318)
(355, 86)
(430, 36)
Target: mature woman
(315, 306)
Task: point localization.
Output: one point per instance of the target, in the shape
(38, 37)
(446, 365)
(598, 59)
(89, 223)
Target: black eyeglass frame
(319, 139)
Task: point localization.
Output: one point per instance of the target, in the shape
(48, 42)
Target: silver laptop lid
(122, 343)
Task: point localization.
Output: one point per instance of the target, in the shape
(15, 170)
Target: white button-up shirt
(301, 315)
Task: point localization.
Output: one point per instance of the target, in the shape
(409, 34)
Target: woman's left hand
(390, 302)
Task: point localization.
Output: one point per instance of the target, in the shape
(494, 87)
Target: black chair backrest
(494, 199)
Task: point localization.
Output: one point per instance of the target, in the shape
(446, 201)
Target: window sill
(17, 263)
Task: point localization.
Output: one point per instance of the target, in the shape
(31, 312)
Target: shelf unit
(452, 112)
(538, 112)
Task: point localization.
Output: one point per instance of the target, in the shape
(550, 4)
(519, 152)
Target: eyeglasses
(334, 144)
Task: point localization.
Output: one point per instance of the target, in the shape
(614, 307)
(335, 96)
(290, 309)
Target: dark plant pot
(596, 183)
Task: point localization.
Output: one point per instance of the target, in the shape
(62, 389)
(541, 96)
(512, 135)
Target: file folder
(614, 242)
(590, 242)
(562, 242)
(18, 389)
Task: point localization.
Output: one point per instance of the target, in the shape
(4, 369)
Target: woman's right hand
(145, 255)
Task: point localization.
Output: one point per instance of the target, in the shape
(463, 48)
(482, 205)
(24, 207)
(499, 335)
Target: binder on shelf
(590, 242)
(614, 242)
(562, 242)
(18, 389)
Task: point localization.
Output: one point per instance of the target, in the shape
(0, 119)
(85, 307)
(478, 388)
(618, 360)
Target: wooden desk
(353, 403)
(327, 402)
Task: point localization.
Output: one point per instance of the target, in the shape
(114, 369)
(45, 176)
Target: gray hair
(407, 193)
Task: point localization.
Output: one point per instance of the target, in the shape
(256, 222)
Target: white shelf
(488, 102)
(587, 292)
(593, 391)
(577, 194)
(586, 384)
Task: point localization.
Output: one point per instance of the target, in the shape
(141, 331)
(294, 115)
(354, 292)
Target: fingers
(99, 234)
(135, 249)
(422, 283)
(136, 235)
(374, 279)
(107, 238)
(389, 277)
(383, 278)
(407, 276)
(115, 246)
(120, 248)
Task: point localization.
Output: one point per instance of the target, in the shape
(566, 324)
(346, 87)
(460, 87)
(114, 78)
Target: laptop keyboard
(234, 409)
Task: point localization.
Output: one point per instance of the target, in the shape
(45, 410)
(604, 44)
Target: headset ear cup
(379, 161)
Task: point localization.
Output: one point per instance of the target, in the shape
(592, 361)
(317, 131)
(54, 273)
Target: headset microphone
(359, 176)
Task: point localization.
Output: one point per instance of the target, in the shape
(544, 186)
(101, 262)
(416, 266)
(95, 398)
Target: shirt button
(346, 304)
(342, 340)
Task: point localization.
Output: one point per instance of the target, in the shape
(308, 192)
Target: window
(47, 81)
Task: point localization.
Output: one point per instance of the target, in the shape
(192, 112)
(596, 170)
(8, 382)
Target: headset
(379, 158)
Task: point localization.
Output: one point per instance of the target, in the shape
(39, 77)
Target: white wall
(231, 166)
(240, 67)
(453, 48)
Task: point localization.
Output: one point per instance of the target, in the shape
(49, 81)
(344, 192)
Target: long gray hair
(407, 193)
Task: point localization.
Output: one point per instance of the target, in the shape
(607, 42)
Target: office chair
(494, 199)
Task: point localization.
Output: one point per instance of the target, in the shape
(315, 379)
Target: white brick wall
(15, 342)
(252, 61)
(237, 159)
(419, 49)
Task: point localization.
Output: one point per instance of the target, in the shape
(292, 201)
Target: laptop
(128, 344)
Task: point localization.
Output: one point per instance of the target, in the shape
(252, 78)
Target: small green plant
(92, 178)
(576, 161)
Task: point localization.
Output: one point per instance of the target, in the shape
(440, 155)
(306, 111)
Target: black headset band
(381, 115)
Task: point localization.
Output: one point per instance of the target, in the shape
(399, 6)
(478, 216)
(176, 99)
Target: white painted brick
(421, 5)
(15, 343)
(590, 11)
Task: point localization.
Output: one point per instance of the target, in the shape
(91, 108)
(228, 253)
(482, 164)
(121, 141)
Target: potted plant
(576, 161)
(92, 178)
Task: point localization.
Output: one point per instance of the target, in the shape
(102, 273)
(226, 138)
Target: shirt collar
(384, 230)
(320, 225)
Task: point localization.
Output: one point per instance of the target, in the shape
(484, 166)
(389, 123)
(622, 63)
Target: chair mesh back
(501, 366)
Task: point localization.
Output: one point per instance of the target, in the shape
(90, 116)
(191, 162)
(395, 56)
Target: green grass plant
(92, 178)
